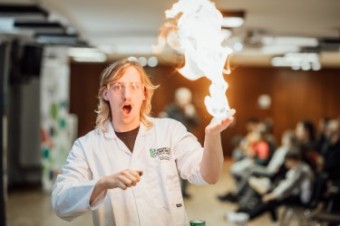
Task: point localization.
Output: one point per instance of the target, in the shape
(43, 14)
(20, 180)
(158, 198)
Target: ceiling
(130, 27)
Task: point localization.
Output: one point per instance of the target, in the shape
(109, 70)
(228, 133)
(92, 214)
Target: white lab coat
(161, 152)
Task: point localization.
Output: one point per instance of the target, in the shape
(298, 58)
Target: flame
(194, 29)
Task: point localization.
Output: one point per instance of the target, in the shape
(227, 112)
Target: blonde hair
(111, 74)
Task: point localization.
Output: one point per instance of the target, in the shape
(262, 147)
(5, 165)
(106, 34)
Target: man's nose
(126, 92)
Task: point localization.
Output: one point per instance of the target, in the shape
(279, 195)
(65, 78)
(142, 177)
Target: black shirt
(128, 137)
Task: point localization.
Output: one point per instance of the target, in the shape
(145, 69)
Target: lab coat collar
(110, 134)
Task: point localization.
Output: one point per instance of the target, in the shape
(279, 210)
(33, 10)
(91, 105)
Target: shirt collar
(110, 134)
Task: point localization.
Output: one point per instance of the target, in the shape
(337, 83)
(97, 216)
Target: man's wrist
(102, 183)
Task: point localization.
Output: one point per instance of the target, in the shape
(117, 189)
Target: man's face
(289, 163)
(332, 130)
(300, 132)
(126, 96)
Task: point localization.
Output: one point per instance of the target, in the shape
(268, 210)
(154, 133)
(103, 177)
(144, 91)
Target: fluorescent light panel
(87, 55)
(232, 19)
(6, 24)
(298, 61)
(294, 41)
(232, 22)
(65, 39)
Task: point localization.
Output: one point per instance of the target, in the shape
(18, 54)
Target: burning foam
(193, 28)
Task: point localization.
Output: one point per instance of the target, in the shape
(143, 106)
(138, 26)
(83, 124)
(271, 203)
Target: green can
(197, 223)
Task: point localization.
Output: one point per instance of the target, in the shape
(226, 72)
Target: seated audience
(257, 152)
(295, 188)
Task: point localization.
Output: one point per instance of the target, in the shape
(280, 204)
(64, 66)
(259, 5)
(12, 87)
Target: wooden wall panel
(331, 103)
(84, 85)
(296, 95)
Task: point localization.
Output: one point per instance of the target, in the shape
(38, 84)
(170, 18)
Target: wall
(295, 95)
(4, 58)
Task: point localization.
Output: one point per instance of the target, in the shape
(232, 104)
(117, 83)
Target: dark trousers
(270, 207)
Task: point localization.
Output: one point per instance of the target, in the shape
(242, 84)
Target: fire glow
(194, 29)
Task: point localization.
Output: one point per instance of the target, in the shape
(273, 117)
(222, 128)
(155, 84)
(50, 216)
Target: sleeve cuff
(98, 200)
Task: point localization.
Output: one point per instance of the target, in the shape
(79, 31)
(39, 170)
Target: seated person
(277, 160)
(329, 164)
(295, 188)
(263, 177)
(267, 173)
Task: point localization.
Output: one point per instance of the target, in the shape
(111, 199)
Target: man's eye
(117, 87)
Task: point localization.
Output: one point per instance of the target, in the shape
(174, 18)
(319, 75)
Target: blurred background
(285, 69)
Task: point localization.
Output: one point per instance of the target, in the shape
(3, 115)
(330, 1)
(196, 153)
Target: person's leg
(244, 214)
(320, 186)
(242, 184)
(264, 207)
(250, 199)
(184, 188)
(273, 214)
(240, 172)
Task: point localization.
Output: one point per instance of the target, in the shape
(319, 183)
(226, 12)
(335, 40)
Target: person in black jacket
(183, 110)
(329, 165)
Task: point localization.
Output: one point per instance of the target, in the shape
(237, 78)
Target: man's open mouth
(127, 108)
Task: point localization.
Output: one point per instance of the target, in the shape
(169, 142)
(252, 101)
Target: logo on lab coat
(161, 153)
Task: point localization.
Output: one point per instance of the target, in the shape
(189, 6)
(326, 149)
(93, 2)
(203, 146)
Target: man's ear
(106, 95)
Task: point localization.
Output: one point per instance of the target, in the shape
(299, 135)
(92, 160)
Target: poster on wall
(58, 126)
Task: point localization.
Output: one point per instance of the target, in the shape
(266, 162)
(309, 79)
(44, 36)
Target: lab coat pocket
(154, 185)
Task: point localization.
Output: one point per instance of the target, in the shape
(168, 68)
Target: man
(183, 110)
(329, 166)
(126, 170)
(330, 154)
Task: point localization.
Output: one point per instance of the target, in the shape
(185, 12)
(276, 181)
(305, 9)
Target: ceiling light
(143, 61)
(279, 49)
(232, 19)
(232, 22)
(293, 41)
(238, 46)
(152, 61)
(6, 24)
(296, 61)
(62, 39)
(87, 55)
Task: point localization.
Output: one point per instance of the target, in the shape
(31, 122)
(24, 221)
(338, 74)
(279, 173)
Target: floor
(32, 208)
